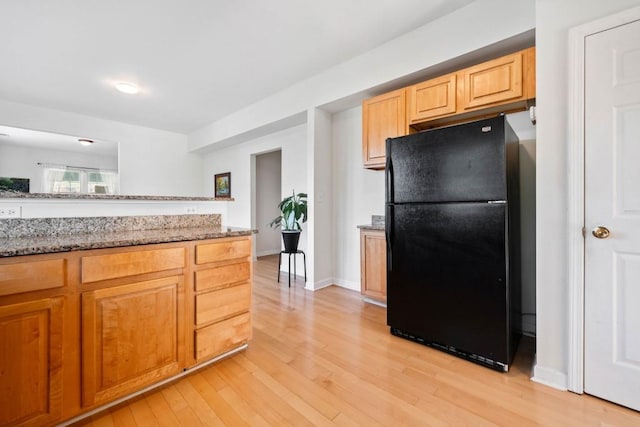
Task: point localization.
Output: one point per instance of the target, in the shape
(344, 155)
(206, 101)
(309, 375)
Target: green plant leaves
(294, 212)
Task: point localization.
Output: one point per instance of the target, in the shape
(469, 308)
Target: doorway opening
(267, 195)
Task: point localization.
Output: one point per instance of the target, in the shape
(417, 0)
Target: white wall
(237, 159)
(63, 208)
(358, 193)
(480, 24)
(320, 258)
(21, 162)
(268, 195)
(152, 161)
(553, 21)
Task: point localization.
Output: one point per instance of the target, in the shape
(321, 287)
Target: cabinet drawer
(221, 276)
(222, 251)
(32, 276)
(222, 303)
(111, 266)
(222, 336)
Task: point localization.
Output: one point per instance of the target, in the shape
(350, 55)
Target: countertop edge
(6, 195)
(371, 227)
(117, 240)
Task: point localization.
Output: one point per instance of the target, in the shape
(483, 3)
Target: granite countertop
(371, 227)
(377, 223)
(98, 240)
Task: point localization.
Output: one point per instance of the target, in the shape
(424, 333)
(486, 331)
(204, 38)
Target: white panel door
(612, 201)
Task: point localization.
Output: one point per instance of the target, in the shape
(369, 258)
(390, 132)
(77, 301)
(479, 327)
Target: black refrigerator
(453, 249)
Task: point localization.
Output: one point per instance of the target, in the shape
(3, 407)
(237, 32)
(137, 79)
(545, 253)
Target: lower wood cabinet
(81, 329)
(222, 300)
(31, 362)
(132, 336)
(373, 264)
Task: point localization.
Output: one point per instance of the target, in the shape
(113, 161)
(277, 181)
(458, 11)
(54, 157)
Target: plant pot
(290, 239)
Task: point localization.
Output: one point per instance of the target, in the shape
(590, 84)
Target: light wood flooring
(327, 358)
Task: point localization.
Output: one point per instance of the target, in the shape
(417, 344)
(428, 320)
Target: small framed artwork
(223, 184)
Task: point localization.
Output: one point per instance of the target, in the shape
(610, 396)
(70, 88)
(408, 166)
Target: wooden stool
(304, 258)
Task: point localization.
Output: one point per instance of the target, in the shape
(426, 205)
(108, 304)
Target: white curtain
(60, 179)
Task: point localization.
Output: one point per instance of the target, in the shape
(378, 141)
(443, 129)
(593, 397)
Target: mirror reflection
(43, 162)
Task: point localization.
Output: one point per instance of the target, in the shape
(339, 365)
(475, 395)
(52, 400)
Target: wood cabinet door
(432, 99)
(31, 362)
(382, 117)
(493, 82)
(373, 264)
(132, 336)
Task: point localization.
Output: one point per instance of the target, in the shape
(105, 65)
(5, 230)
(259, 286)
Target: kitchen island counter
(112, 239)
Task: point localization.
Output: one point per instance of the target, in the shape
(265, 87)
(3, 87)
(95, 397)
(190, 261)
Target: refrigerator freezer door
(447, 283)
(455, 164)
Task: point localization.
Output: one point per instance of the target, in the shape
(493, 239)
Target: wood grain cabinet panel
(223, 250)
(222, 276)
(27, 276)
(222, 336)
(432, 99)
(217, 305)
(373, 264)
(132, 336)
(111, 266)
(31, 362)
(501, 85)
(494, 82)
(382, 117)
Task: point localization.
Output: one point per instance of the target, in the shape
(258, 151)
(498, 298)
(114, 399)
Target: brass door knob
(601, 232)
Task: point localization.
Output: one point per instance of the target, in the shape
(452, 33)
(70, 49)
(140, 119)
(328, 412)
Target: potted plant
(294, 212)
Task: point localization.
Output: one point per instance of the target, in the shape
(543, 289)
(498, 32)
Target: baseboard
(347, 284)
(319, 284)
(549, 377)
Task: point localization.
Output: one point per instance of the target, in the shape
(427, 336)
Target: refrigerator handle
(388, 170)
(388, 231)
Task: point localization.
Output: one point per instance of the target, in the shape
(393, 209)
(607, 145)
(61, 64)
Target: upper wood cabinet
(431, 99)
(382, 117)
(497, 82)
(503, 84)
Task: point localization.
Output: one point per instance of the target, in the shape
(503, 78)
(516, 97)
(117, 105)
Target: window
(79, 181)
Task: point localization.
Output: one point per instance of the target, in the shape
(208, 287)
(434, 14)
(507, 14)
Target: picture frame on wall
(223, 184)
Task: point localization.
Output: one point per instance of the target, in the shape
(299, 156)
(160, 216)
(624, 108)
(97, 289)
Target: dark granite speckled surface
(29, 236)
(98, 240)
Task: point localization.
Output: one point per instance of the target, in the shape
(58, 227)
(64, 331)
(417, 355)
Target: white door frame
(576, 226)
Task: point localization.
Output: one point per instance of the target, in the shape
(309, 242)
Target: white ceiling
(27, 138)
(195, 60)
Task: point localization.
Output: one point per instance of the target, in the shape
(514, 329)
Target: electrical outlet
(10, 212)
(190, 210)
